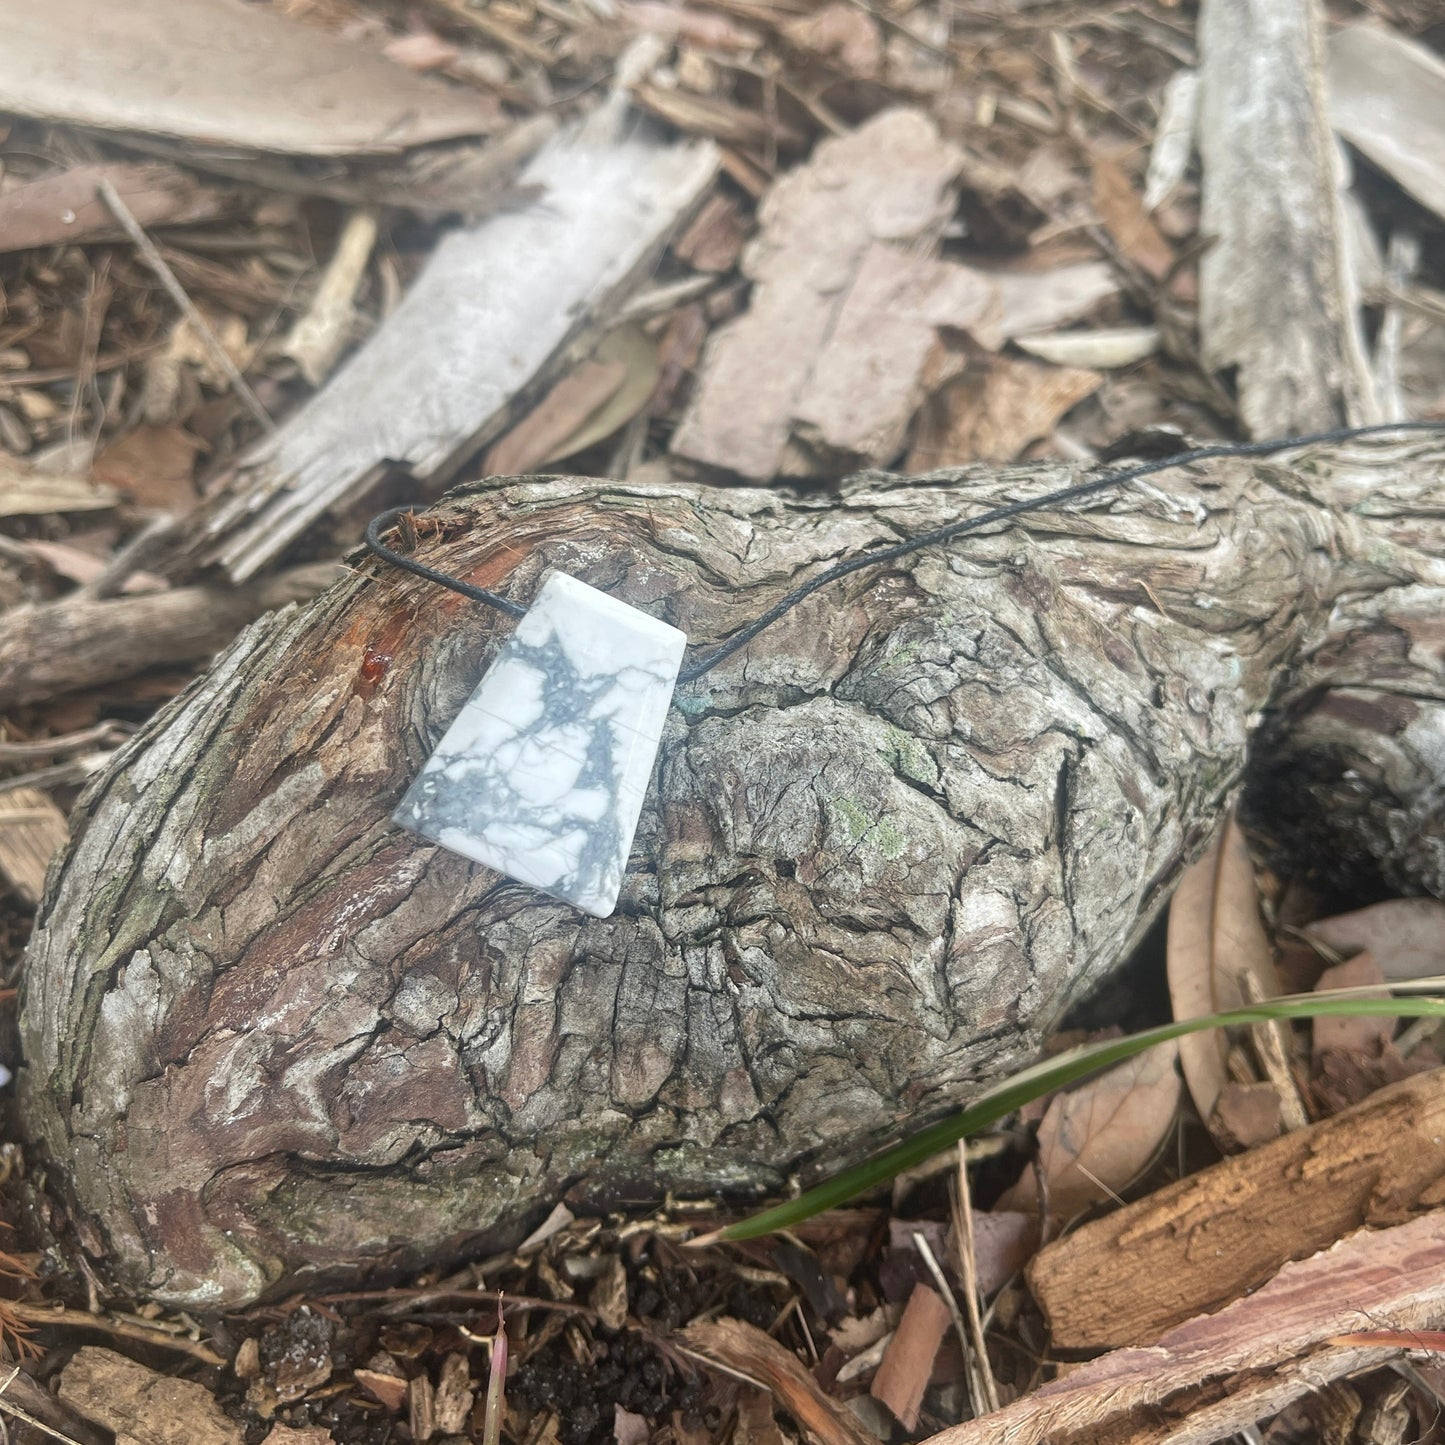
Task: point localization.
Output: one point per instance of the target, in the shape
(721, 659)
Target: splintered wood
(1213, 1236)
(1278, 1342)
(494, 308)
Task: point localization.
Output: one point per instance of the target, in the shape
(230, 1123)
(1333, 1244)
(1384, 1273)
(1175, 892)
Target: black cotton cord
(380, 524)
(932, 538)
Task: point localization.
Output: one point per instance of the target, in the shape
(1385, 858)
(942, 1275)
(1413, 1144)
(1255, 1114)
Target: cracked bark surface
(269, 1036)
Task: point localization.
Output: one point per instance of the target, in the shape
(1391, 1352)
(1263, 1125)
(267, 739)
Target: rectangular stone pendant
(543, 773)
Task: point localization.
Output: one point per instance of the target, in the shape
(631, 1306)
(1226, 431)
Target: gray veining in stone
(543, 773)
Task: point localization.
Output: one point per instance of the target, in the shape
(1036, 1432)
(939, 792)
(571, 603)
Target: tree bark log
(268, 1035)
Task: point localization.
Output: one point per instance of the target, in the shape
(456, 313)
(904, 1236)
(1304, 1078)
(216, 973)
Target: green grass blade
(1002, 1099)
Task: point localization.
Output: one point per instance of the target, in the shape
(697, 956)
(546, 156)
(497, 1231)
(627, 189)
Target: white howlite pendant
(543, 773)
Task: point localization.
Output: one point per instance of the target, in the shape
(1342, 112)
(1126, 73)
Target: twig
(128, 559)
(34, 749)
(968, 1268)
(167, 278)
(75, 770)
(52, 1315)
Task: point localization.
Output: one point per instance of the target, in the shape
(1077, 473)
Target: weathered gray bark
(267, 1034)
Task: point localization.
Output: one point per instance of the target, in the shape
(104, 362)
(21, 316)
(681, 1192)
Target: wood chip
(995, 410)
(322, 332)
(890, 180)
(49, 648)
(28, 493)
(1213, 1236)
(1173, 138)
(306, 1435)
(220, 73)
(142, 1406)
(388, 1390)
(454, 1395)
(32, 831)
(714, 240)
(908, 1361)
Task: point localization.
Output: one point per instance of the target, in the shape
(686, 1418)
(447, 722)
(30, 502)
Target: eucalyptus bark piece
(1272, 288)
(270, 1036)
(1213, 1237)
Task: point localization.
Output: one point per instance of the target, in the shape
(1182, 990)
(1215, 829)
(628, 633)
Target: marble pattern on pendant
(543, 773)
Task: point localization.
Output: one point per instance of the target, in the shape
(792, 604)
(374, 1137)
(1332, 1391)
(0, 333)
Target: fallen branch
(887, 844)
(50, 648)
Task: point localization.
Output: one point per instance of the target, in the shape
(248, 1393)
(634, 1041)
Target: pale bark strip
(1271, 289)
(269, 1034)
(493, 311)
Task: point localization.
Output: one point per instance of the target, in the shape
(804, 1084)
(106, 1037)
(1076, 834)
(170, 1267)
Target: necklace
(543, 773)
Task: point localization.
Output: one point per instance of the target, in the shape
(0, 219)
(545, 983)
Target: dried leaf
(1387, 97)
(64, 208)
(1097, 1139)
(421, 51)
(995, 410)
(220, 73)
(1367, 1035)
(1246, 1115)
(154, 465)
(1126, 220)
(1216, 942)
(1406, 936)
(1103, 350)
(563, 411)
(1004, 1240)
